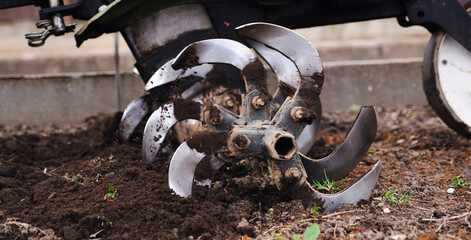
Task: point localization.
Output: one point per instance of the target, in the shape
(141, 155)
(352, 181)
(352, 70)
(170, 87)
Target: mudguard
(123, 13)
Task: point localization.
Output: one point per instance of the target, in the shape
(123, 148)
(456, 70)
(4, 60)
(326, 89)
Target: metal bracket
(448, 15)
(38, 39)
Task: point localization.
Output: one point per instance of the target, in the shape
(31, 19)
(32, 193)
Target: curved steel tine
(286, 41)
(285, 70)
(289, 78)
(132, 116)
(347, 156)
(360, 190)
(227, 52)
(156, 129)
(308, 136)
(295, 47)
(167, 74)
(182, 169)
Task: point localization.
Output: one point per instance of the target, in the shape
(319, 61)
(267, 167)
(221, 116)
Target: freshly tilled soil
(54, 183)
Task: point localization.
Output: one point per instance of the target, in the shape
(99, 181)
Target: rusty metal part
(255, 136)
(258, 102)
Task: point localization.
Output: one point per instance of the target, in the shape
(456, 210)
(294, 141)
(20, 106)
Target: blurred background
(366, 63)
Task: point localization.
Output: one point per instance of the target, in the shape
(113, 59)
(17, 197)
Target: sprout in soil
(329, 186)
(461, 183)
(314, 209)
(112, 193)
(311, 233)
(390, 196)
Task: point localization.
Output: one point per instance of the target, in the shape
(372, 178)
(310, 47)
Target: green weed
(461, 183)
(329, 186)
(391, 196)
(112, 193)
(314, 210)
(353, 109)
(79, 178)
(311, 233)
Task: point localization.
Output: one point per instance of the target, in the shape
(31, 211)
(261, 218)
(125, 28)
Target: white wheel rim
(454, 77)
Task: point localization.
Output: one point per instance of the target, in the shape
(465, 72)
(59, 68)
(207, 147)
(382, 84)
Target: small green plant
(270, 171)
(109, 174)
(461, 183)
(390, 196)
(329, 186)
(79, 178)
(112, 193)
(372, 151)
(410, 115)
(444, 146)
(311, 233)
(314, 210)
(278, 236)
(354, 109)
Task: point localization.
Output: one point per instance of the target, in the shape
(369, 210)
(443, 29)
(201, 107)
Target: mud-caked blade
(166, 74)
(295, 47)
(215, 51)
(225, 51)
(347, 156)
(286, 41)
(182, 169)
(132, 116)
(360, 190)
(289, 79)
(157, 127)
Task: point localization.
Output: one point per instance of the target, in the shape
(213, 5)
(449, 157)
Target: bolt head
(241, 142)
(216, 119)
(228, 102)
(258, 102)
(292, 173)
(298, 113)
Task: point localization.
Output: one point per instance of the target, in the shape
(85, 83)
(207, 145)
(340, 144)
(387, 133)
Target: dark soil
(54, 182)
(207, 142)
(255, 76)
(186, 108)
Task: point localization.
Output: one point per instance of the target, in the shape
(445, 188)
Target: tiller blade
(160, 89)
(267, 131)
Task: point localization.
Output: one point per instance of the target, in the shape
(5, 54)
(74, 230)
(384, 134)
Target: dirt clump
(186, 108)
(207, 142)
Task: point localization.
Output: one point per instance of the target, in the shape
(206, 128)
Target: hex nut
(241, 142)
